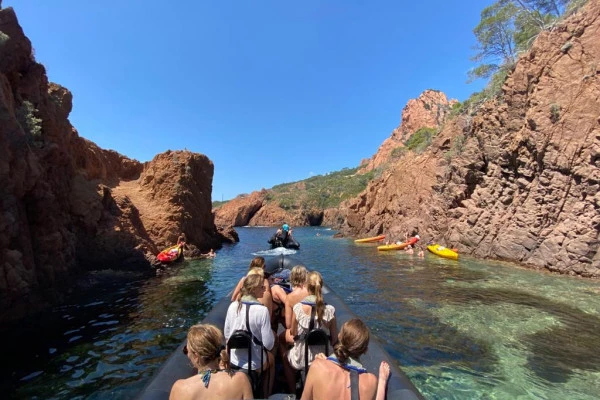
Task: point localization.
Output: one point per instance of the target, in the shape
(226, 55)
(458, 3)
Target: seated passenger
(303, 317)
(266, 299)
(260, 327)
(214, 380)
(330, 378)
(278, 297)
(298, 293)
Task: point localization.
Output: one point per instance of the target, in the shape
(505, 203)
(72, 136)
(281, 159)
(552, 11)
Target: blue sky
(270, 91)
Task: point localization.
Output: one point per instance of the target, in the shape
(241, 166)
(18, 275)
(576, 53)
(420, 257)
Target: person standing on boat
(324, 319)
(214, 380)
(259, 322)
(329, 378)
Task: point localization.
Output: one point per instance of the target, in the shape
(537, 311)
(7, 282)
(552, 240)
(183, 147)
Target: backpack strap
(255, 340)
(354, 394)
(311, 326)
(250, 332)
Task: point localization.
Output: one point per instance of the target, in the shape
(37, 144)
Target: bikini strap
(347, 367)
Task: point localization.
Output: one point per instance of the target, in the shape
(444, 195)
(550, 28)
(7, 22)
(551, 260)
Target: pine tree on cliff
(508, 27)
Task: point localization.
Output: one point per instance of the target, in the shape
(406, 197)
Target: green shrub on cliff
(321, 191)
(421, 139)
(3, 38)
(31, 125)
(398, 152)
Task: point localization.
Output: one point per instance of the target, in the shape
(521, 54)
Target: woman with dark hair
(214, 380)
(329, 378)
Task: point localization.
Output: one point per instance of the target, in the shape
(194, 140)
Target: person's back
(298, 293)
(224, 385)
(332, 382)
(329, 378)
(311, 311)
(214, 380)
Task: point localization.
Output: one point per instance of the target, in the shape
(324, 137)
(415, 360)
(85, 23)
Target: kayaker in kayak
(214, 379)
(413, 240)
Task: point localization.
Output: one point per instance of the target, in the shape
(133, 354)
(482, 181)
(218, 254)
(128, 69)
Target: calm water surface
(460, 329)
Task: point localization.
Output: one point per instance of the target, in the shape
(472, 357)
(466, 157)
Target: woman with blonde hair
(309, 314)
(248, 314)
(257, 264)
(214, 379)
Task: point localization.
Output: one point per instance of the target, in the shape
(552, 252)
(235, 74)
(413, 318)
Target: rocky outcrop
(519, 179)
(239, 211)
(429, 110)
(66, 205)
(255, 210)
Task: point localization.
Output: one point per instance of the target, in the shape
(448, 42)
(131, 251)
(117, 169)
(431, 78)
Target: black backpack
(314, 337)
(243, 339)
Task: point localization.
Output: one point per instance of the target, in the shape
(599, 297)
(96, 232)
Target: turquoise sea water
(462, 329)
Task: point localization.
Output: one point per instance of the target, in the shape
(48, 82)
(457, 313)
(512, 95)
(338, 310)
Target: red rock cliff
(429, 110)
(67, 205)
(519, 179)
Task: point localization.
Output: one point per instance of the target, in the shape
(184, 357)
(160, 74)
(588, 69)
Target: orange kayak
(370, 239)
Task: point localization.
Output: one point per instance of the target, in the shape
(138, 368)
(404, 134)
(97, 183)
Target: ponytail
(224, 358)
(206, 344)
(353, 340)
(315, 287)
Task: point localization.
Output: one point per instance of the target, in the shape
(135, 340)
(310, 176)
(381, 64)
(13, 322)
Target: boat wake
(275, 252)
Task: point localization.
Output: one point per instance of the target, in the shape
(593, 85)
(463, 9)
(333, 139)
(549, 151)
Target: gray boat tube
(178, 366)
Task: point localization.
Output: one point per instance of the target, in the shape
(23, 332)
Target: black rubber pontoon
(285, 241)
(178, 366)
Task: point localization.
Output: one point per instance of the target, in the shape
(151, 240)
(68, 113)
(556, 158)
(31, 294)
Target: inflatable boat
(286, 241)
(178, 366)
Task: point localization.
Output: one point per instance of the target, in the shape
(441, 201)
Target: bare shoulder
(369, 378)
(180, 390)
(320, 364)
(239, 376)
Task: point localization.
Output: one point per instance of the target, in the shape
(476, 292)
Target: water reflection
(460, 329)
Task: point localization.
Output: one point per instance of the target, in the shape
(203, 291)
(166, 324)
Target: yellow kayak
(370, 239)
(387, 247)
(442, 251)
